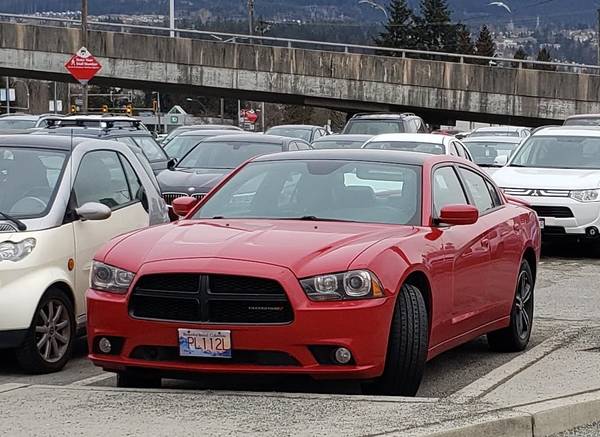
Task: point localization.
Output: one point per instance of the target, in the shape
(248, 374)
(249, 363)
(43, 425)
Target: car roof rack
(405, 114)
(105, 123)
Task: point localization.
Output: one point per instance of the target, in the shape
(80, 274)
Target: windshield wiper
(20, 225)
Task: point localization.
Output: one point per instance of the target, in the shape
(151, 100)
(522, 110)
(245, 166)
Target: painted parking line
(93, 379)
(501, 374)
(10, 386)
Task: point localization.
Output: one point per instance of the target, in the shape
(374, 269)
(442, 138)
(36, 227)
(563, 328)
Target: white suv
(557, 172)
(61, 199)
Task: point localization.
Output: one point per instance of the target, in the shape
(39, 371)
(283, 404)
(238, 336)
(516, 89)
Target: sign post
(83, 67)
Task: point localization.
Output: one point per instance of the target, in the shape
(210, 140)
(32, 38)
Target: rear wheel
(516, 336)
(407, 346)
(128, 379)
(49, 341)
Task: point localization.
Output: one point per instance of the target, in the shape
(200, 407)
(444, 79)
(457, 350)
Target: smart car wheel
(128, 379)
(407, 346)
(516, 336)
(49, 341)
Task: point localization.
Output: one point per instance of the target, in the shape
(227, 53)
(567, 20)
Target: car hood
(307, 248)
(190, 180)
(546, 178)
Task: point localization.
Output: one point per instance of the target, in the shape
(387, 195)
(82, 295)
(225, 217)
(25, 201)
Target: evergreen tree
(520, 54)
(465, 44)
(544, 55)
(435, 31)
(399, 30)
(485, 45)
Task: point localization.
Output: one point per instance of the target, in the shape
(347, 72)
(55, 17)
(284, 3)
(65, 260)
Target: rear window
(588, 121)
(374, 127)
(409, 146)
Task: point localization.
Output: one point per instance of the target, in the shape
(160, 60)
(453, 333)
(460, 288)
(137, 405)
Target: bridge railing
(235, 38)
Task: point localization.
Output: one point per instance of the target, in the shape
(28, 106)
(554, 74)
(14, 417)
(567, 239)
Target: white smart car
(426, 143)
(61, 199)
(557, 172)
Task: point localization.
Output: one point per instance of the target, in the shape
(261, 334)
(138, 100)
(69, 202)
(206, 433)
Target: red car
(338, 264)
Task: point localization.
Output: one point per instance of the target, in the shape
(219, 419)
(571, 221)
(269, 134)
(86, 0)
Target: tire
(515, 337)
(407, 347)
(127, 379)
(49, 341)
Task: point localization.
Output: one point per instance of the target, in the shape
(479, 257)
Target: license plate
(204, 343)
(542, 223)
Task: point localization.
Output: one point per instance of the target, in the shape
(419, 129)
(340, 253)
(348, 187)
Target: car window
(452, 149)
(411, 146)
(477, 186)
(225, 154)
(374, 127)
(460, 151)
(422, 127)
(447, 189)
(292, 146)
(101, 178)
(127, 141)
(317, 134)
(150, 148)
(132, 178)
(302, 146)
(494, 193)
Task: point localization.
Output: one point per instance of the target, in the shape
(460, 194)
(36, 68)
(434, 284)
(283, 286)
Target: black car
(181, 129)
(378, 123)
(126, 130)
(341, 142)
(305, 132)
(212, 159)
(179, 146)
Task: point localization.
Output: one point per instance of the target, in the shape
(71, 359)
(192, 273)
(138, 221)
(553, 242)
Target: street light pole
(84, 42)
(172, 18)
(251, 17)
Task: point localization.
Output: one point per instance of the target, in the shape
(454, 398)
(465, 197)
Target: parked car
(341, 142)
(126, 130)
(305, 132)
(491, 152)
(210, 160)
(182, 144)
(181, 129)
(504, 131)
(60, 200)
(592, 120)
(384, 123)
(324, 263)
(17, 123)
(557, 172)
(435, 144)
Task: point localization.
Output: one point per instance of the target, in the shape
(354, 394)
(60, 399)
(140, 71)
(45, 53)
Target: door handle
(485, 243)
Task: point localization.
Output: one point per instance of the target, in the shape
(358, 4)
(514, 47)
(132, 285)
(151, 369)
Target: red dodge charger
(336, 264)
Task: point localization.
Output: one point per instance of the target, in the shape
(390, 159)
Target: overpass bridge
(356, 79)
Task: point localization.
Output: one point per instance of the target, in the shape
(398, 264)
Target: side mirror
(501, 160)
(143, 198)
(183, 205)
(459, 215)
(93, 211)
(172, 163)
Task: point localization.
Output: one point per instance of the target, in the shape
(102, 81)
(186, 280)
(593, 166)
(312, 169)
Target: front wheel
(515, 337)
(407, 346)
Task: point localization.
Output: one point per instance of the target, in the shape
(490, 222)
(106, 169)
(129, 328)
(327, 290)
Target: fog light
(342, 355)
(104, 345)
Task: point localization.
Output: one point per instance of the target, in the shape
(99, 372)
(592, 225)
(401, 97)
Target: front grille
(210, 299)
(553, 211)
(5, 227)
(170, 197)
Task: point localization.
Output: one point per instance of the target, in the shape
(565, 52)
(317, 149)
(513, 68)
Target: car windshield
(225, 154)
(11, 123)
(374, 127)
(151, 149)
(337, 190)
(582, 121)
(486, 153)
(410, 146)
(338, 144)
(291, 132)
(573, 152)
(179, 146)
(28, 180)
(176, 133)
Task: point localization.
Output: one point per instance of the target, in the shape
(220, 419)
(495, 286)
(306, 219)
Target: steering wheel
(38, 192)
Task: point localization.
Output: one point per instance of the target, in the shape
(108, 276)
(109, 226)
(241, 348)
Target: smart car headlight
(585, 195)
(355, 284)
(10, 251)
(109, 278)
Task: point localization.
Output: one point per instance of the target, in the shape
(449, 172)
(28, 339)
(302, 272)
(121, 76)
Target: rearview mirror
(183, 205)
(458, 215)
(501, 160)
(93, 211)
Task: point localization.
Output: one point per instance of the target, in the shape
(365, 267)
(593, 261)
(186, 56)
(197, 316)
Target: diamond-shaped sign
(83, 66)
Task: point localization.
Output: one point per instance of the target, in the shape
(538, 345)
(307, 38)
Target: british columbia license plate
(204, 343)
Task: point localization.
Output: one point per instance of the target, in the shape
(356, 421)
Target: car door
(467, 247)
(106, 177)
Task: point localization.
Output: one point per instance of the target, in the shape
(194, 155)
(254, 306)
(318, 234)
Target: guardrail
(291, 43)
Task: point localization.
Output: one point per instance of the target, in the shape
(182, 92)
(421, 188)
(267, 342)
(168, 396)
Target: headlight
(109, 278)
(356, 284)
(585, 195)
(10, 251)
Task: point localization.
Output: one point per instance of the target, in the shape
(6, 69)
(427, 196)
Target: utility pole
(251, 17)
(598, 36)
(7, 95)
(172, 18)
(84, 43)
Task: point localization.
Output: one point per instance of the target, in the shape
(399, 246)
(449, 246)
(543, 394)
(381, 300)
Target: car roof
(41, 141)
(500, 129)
(382, 115)
(422, 138)
(254, 138)
(373, 155)
(95, 132)
(583, 116)
(207, 126)
(492, 139)
(573, 131)
(208, 133)
(296, 126)
(344, 137)
(26, 117)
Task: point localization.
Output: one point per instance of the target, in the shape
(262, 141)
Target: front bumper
(12, 339)
(361, 326)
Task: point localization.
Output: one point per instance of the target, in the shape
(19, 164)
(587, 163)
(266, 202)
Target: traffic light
(73, 109)
(104, 109)
(129, 109)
